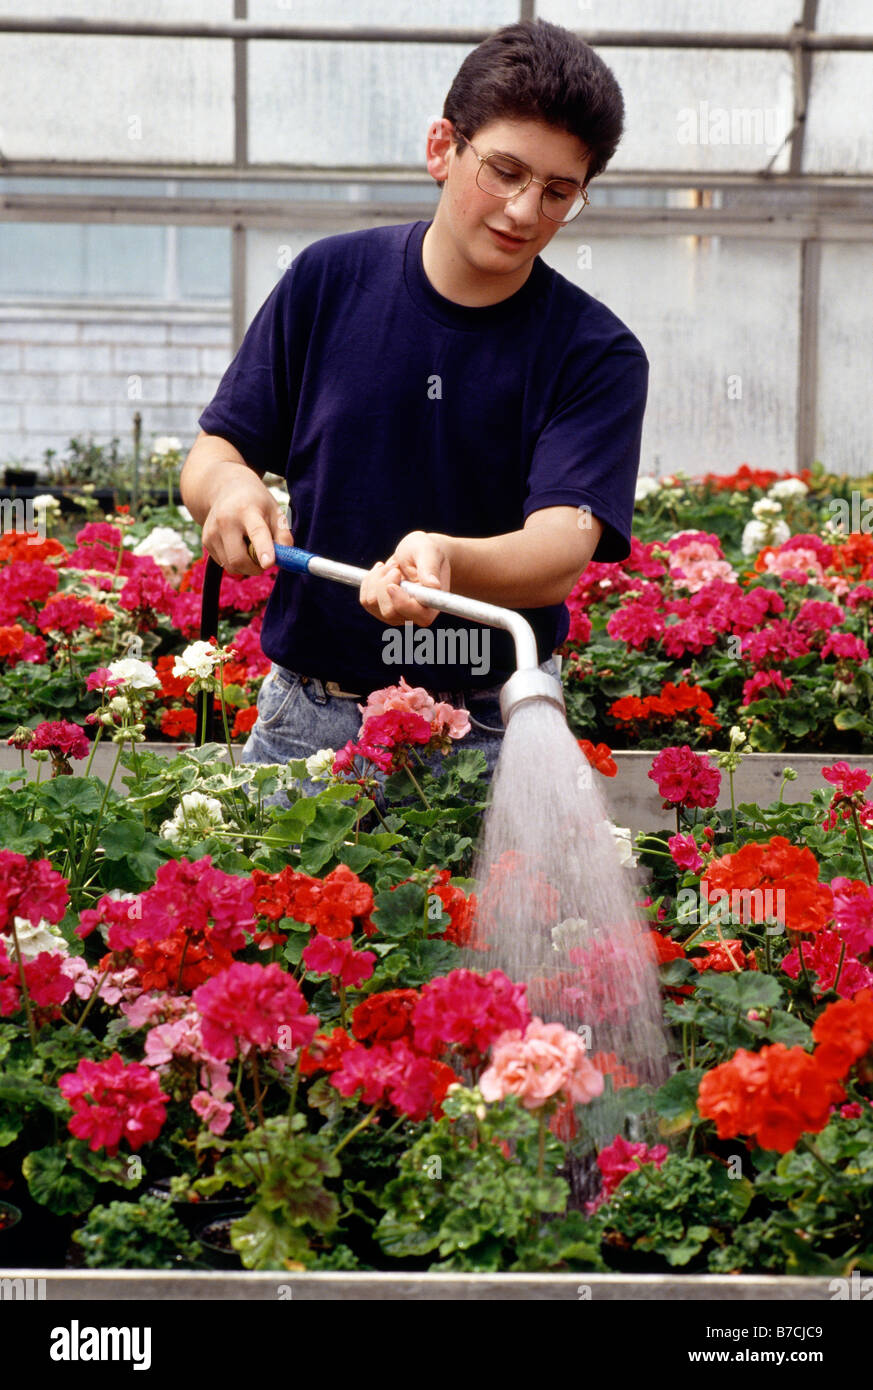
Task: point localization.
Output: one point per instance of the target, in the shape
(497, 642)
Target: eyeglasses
(505, 177)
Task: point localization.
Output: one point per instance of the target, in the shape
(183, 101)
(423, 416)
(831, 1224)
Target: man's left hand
(418, 558)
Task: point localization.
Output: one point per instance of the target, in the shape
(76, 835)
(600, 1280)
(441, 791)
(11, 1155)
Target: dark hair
(534, 70)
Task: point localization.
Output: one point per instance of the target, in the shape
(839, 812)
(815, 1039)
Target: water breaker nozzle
(530, 684)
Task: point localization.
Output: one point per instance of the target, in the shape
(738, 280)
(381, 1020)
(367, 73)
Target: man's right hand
(244, 510)
(233, 506)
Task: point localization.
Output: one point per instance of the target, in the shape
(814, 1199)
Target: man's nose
(526, 205)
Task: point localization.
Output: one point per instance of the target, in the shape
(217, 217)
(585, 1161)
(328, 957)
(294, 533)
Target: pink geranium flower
(846, 646)
(547, 1062)
(760, 681)
(61, 738)
(684, 852)
(823, 954)
(112, 1101)
(620, 1158)
(846, 779)
(29, 888)
(468, 1010)
(326, 956)
(685, 778)
(253, 1006)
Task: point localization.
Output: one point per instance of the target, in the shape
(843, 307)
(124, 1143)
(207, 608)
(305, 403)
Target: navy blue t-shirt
(390, 409)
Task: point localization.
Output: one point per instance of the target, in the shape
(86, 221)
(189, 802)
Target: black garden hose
(208, 629)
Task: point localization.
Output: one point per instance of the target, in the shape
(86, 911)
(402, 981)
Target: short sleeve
(588, 453)
(252, 407)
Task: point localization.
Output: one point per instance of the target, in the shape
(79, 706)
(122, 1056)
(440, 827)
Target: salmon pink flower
(547, 1062)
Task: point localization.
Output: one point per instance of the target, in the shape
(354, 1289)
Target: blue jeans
(297, 716)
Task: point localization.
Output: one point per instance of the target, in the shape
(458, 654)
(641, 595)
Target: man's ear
(440, 139)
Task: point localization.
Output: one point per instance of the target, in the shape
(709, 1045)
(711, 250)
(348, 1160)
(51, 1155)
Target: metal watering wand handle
(527, 683)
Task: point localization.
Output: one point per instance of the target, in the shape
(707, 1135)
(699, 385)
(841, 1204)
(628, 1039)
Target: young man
(445, 408)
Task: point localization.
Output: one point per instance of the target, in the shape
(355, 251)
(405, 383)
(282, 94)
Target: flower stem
(836, 983)
(414, 782)
(861, 845)
(92, 997)
(819, 1158)
(224, 715)
(362, 1124)
(541, 1145)
(31, 1027)
(87, 772)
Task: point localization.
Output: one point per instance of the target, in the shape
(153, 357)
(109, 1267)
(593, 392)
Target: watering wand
(527, 682)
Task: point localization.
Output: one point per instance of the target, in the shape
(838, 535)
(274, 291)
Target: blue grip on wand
(291, 557)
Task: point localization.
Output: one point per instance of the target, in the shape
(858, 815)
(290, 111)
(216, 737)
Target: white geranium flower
(788, 487)
(44, 936)
(46, 502)
(184, 514)
(766, 507)
(757, 534)
(622, 836)
(194, 817)
(138, 675)
(319, 766)
(166, 444)
(645, 487)
(569, 934)
(167, 549)
(199, 659)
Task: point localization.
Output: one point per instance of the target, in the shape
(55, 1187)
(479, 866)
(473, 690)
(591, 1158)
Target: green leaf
(850, 719)
(358, 857)
(55, 1185)
(676, 1100)
(79, 794)
(324, 835)
(399, 912)
(741, 990)
(120, 839)
(264, 1241)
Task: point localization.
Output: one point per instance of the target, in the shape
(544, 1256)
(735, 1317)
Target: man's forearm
(209, 464)
(521, 569)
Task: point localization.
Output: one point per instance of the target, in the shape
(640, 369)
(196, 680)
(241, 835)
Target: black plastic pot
(214, 1238)
(20, 477)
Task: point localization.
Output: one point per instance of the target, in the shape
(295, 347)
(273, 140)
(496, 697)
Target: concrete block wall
(83, 372)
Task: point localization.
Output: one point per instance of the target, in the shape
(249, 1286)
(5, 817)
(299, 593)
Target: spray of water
(558, 909)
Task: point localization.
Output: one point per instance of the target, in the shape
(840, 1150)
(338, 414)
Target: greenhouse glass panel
(839, 130)
(116, 99)
(203, 263)
(767, 16)
(137, 11)
(844, 17)
(703, 110)
(845, 352)
(719, 321)
(70, 261)
(391, 14)
(345, 103)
